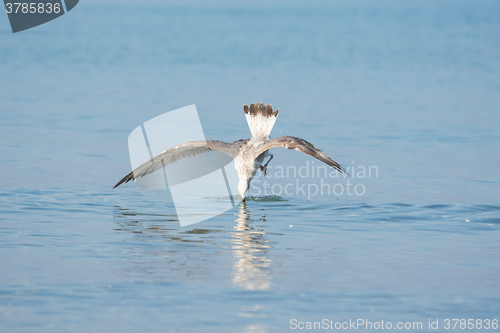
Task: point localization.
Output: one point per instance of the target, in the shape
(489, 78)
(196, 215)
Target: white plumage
(248, 154)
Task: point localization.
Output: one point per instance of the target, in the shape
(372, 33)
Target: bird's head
(243, 186)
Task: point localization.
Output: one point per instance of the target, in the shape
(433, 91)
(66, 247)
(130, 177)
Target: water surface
(411, 89)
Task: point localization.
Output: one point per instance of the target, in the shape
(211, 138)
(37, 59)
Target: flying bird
(248, 154)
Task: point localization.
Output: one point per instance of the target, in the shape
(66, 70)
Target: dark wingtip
(118, 184)
(342, 170)
(245, 107)
(125, 179)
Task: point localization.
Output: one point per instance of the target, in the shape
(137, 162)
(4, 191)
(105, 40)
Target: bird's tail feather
(260, 119)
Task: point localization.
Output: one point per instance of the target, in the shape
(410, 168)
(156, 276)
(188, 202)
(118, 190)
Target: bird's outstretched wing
(291, 142)
(177, 153)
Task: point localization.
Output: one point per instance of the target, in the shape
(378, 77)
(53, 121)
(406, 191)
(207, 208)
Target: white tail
(260, 119)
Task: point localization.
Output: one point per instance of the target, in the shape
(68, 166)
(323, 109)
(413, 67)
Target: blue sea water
(410, 89)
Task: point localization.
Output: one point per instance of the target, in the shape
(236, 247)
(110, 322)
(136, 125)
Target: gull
(248, 154)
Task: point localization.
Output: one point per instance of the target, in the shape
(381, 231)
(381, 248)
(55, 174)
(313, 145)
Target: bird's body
(247, 166)
(248, 154)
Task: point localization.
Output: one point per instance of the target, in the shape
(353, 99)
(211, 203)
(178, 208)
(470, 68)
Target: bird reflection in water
(248, 246)
(251, 267)
(173, 260)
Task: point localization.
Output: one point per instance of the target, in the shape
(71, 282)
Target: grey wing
(177, 153)
(291, 142)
